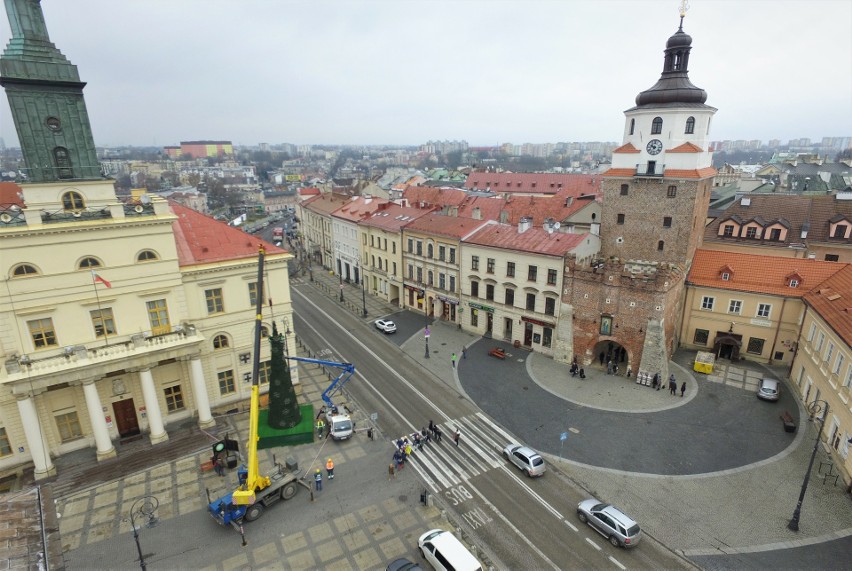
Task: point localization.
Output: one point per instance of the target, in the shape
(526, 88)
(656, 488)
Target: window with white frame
(848, 380)
(735, 306)
(838, 364)
(811, 332)
(829, 351)
(820, 342)
(764, 309)
(707, 303)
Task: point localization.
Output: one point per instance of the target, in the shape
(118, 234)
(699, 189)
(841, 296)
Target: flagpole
(100, 311)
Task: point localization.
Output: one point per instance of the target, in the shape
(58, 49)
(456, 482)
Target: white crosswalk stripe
(443, 465)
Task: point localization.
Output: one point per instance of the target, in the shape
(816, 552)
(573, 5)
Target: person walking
(657, 380)
(456, 436)
(601, 358)
(219, 465)
(582, 373)
(318, 480)
(672, 385)
(682, 388)
(320, 427)
(629, 372)
(329, 467)
(454, 360)
(438, 433)
(464, 352)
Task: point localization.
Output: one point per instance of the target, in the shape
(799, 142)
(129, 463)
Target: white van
(446, 553)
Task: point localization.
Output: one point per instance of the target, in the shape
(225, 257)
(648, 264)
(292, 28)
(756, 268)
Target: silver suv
(768, 389)
(610, 522)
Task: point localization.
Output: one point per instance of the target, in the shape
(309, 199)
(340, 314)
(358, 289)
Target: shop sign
(482, 307)
(537, 322)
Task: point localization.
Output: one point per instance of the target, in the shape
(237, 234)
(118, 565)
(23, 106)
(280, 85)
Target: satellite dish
(557, 225)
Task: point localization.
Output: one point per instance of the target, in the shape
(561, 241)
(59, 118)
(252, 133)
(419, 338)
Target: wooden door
(125, 418)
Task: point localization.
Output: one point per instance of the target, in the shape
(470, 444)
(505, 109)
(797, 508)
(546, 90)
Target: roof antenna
(684, 6)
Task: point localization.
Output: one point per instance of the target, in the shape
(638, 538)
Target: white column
(199, 389)
(99, 425)
(44, 468)
(152, 407)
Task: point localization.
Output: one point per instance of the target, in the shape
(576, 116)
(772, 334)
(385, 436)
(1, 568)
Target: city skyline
(376, 73)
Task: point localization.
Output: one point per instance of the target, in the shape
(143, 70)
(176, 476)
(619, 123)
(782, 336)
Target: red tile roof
(619, 172)
(758, 274)
(309, 191)
(9, 194)
(690, 173)
(325, 204)
(832, 300)
(534, 240)
(627, 148)
(359, 207)
(203, 240)
(430, 196)
(449, 226)
(393, 217)
(533, 183)
(686, 148)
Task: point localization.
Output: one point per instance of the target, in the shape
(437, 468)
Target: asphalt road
(520, 524)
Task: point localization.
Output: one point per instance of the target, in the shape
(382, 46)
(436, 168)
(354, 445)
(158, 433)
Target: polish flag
(98, 278)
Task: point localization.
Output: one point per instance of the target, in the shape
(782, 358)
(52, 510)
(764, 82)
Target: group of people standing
(656, 383)
(405, 445)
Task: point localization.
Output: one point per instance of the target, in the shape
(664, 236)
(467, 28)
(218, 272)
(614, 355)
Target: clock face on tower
(654, 147)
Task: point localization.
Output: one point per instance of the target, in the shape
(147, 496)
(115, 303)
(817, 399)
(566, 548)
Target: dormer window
(794, 283)
(728, 230)
(73, 201)
(24, 270)
(751, 232)
(88, 262)
(726, 276)
(657, 126)
(690, 126)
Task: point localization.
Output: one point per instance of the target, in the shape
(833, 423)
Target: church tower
(626, 303)
(46, 98)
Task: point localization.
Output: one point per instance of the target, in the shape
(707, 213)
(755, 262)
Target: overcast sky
(404, 71)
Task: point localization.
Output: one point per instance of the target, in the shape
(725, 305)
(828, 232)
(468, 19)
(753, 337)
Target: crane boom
(337, 384)
(245, 494)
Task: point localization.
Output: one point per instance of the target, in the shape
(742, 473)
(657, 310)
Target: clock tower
(626, 303)
(46, 98)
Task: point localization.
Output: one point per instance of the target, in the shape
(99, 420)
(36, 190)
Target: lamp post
(340, 275)
(426, 323)
(144, 506)
(286, 333)
(814, 408)
(363, 292)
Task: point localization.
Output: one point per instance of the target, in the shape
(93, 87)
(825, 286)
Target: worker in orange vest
(329, 467)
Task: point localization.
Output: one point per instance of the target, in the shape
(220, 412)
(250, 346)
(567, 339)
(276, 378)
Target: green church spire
(46, 99)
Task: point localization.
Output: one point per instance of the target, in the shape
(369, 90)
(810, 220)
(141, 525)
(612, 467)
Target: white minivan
(446, 553)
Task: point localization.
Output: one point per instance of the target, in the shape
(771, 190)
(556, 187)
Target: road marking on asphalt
(569, 524)
(614, 560)
(593, 544)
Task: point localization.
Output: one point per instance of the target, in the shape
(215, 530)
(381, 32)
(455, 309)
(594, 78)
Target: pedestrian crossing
(443, 465)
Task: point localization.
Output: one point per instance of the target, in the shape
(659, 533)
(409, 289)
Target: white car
(386, 325)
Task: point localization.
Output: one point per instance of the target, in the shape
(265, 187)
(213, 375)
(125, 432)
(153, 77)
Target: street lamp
(814, 408)
(426, 322)
(340, 275)
(286, 333)
(145, 507)
(363, 292)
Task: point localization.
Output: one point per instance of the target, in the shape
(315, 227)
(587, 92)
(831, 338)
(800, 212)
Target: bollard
(424, 497)
(370, 433)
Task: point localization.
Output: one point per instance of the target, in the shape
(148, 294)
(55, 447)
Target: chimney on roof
(548, 225)
(504, 217)
(569, 201)
(524, 224)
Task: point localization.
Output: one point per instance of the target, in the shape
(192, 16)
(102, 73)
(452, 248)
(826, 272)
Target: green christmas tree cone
(284, 409)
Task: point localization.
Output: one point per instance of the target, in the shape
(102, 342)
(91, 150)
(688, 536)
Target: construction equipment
(340, 425)
(255, 491)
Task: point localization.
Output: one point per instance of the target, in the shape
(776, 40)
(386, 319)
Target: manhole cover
(574, 430)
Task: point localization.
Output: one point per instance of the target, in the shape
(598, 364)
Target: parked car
(525, 458)
(445, 552)
(386, 325)
(610, 522)
(769, 389)
(403, 564)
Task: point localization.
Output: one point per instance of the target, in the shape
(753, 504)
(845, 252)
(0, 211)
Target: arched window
(657, 126)
(63, 163)
(88, 262)
(73, 201)
(146, 256)
(660, 245)
(632, 125)
(429, 251)
(23, 270)
(221, 342)
(264, 331)
(690, 126)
